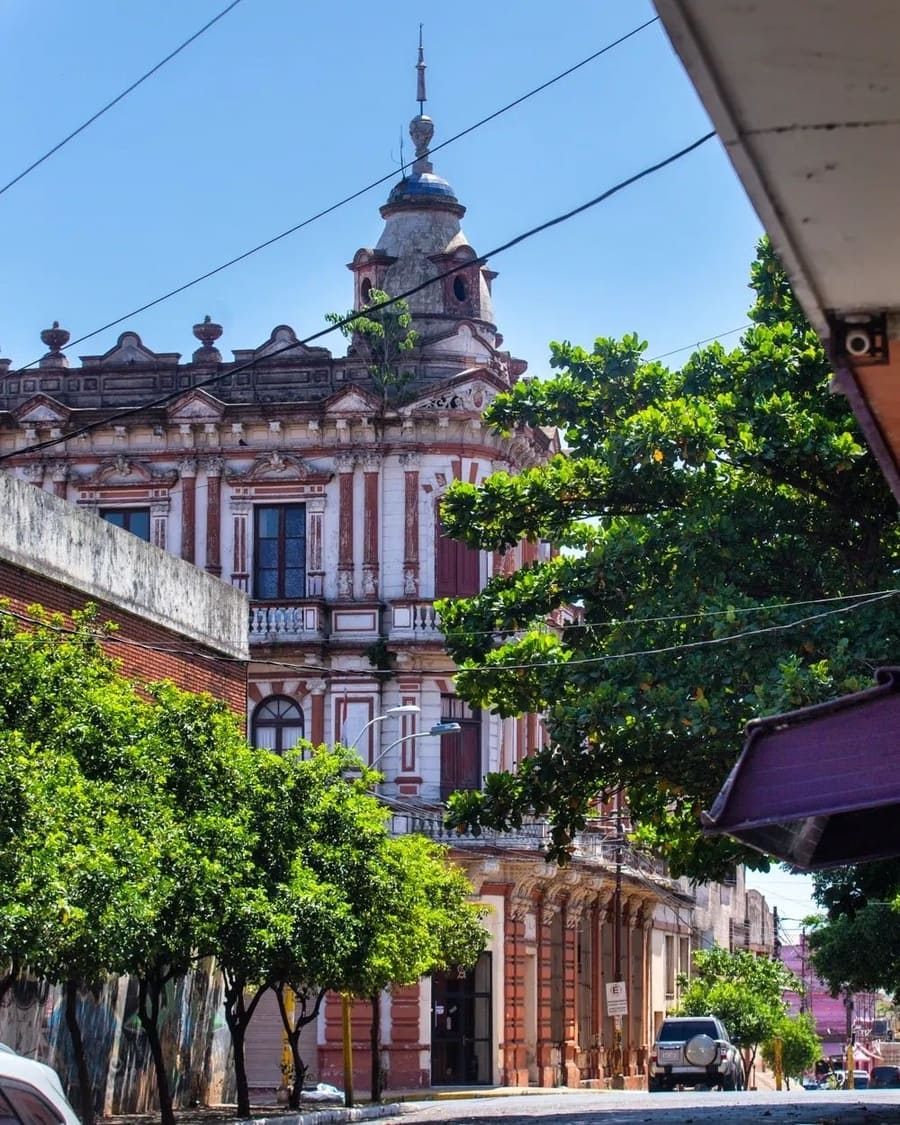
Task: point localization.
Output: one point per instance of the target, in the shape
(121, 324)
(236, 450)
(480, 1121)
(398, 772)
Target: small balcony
(275, 622)
(415, 620)
(429, 822)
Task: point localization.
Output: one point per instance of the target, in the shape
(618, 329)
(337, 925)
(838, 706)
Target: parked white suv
(694, 1051)
(30, 1093)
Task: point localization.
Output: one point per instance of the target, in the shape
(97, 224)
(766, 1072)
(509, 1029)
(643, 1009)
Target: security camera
(858, 342)
(860, 337)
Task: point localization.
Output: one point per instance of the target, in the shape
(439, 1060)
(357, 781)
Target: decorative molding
(122, 470)
(277, 466)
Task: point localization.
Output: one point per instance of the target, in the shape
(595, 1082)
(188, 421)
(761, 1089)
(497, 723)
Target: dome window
(460, 289)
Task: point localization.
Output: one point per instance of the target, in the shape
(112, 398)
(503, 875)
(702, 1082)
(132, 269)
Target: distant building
(836, 1017)
(290, 474)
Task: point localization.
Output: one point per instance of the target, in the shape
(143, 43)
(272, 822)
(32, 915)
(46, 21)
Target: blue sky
(284, 107)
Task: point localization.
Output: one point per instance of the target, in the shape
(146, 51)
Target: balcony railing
(533, 835)
(530, 836)
(415, 619)
(274, 623)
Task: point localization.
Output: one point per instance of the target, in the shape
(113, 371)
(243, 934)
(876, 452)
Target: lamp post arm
(438, 730)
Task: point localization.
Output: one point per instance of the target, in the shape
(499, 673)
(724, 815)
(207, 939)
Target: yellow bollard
(851, 1085)
(779, 1069)
(287, 1059)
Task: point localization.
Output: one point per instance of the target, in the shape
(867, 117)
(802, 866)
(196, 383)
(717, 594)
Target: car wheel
(701, 1050)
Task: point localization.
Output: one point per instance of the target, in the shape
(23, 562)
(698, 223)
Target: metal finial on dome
(420, 76)
(421, 128)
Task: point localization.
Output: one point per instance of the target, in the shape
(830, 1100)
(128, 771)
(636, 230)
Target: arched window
(277, 724)
(364, 290)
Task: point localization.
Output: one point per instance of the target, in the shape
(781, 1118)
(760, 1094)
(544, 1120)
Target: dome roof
(420, 186)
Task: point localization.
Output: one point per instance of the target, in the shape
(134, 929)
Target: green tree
(858, 953)
(381, 334)
(801, 1047)
(743, 990)
(422, 921)
(346, 908)
(856, 944)
(204, 775)
(720, 530)
(81, 850)
(126, 822)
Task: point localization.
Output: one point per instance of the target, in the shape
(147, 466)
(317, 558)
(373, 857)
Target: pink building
(833, 1021)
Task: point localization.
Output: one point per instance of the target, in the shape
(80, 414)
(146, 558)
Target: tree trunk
(302, 1017)
(6, 981)
(375, 1046)
(238, 1015)
(148, 1014)
(85, 1093)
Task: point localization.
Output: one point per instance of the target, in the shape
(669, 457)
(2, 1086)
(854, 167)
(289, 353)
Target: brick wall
(145, 650)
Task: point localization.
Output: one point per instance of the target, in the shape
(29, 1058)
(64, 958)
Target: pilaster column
(628, 976)
(345, 463)
(60, 474)
(371, 522)
(214, 466)
(317, 713)
(571, 1074)
(315, 567)
(188, 470)
(410, 462)
(548, 1068)
(513, 1047)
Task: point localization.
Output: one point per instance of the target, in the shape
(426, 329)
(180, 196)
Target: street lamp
(439, 729)
(402, 709)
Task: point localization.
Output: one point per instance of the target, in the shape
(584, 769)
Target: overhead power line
(162, 400)
(115, 101)
(347, 198)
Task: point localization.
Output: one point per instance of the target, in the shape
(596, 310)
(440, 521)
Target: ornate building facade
(287, 472)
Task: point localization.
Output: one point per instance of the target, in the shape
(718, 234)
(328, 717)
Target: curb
(333, 1116)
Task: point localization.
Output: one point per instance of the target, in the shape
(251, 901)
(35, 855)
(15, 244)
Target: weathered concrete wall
(48, 536)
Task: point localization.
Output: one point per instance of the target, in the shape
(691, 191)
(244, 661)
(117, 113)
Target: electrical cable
(370, 674)
(162, 400)
(354, 195)
(115, 101)
(699, 343)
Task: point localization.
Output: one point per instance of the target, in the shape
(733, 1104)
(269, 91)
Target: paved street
(795, 1107)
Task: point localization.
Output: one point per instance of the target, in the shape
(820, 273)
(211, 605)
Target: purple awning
(819, 787)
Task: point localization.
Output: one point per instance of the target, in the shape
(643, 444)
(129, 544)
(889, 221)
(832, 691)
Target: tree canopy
(139, 833)
(724, 537)
(743, 990)
(801, 1047)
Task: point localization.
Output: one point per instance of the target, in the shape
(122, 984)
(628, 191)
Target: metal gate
(461, 1026)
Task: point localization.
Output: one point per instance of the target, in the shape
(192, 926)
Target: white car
(31, 1093)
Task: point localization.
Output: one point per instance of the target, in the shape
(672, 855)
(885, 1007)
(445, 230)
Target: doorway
(461, 1026)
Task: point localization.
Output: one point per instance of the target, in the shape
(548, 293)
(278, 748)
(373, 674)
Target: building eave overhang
(819, 787)
(805, 98)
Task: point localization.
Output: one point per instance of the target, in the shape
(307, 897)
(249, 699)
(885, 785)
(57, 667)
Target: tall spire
(421, 128)
(420, 76)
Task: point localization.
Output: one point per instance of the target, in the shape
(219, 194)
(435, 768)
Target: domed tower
(422, 240)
